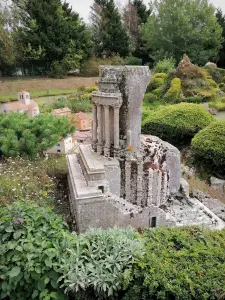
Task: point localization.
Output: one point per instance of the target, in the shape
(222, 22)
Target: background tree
(109, 34)
(7, 49)
(135, 13)
(221, 20)
(183, 26)
(50, 31)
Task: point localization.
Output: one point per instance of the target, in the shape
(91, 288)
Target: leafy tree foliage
(7, 49)
(183, 26)
(221, 20)
(109, 34)
(22, 136)
(51, 31)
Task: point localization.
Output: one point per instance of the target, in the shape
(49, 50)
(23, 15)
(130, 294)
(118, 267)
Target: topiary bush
(166, 65)
(179, 263)
(150, 97)
(32, 241)
(173, 94)
(208, 146)
(176, 123)
(219, 104)
(157, 81)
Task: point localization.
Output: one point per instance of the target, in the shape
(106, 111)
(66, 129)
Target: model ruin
(124, 178)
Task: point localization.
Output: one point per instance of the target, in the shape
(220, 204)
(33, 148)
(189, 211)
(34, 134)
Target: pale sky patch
(83, 6)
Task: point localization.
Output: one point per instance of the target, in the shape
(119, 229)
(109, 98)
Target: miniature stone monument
(124, 178)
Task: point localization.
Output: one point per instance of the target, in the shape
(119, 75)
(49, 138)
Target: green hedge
(177, 123)
(41, 259)
(208, 146)
(179, 263)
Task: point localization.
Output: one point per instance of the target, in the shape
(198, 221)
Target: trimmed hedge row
(177, 123)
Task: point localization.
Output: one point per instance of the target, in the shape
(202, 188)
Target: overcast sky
(83, 6)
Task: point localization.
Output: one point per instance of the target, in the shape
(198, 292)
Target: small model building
(83, 137)
(64, 146)
(82, 121)
(23, 105)
(62, 112)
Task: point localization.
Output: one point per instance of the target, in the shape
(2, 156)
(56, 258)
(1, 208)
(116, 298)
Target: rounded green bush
(32, 241)
(208, 146)
(150, 97)
(173, 94)
(195, 99)
(177, 123)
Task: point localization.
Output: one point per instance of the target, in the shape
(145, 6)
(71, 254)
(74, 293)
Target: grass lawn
(43, 87)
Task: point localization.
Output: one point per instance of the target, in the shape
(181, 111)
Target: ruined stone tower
(123, 178)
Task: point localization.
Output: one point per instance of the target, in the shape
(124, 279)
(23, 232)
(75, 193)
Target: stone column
(94, 126)
(107, 131)
(140, 180)
(128, 180)
(116, 130)
(99, 129)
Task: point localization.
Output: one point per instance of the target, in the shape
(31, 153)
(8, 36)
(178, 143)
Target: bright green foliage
(100, 261)
(157, 80)
(165, 65)
(173, 94)
(150, 97)
(183, 26)
(23, 136)
(209, 146)
(218, 104)
(32, 241)
(76, 104)
(208, 94)
(109, 34)
(176, 123)
(179, 263)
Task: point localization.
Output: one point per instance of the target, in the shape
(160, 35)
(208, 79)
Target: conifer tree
(109, 34)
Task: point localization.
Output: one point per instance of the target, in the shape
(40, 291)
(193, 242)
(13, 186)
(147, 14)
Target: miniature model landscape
(112, 150)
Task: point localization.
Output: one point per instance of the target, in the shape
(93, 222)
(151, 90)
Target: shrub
(173, 94)
(32, 240)
(212, 83)
(195, 99)
(221, 85)
(208, 146)
(219, 104)
(165, 66)
(155, 83)
(133, 61)
(100, 262)
(90, 89)
(91, 66)
(176, 123)
(179, 263)
(58, 70)
(23, 136)
(207, 95)
(216, 73)
(150, 97)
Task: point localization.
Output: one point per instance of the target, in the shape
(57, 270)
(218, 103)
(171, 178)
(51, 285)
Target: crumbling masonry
(124, 178)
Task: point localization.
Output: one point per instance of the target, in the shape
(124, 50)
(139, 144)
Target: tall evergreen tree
(50, 30)
(109, 34)
(142, 11)
(221, 20)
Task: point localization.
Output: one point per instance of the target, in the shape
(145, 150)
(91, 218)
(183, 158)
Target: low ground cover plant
(177, 123)
(179, 263)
